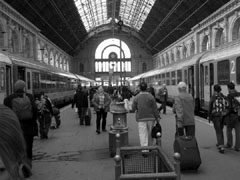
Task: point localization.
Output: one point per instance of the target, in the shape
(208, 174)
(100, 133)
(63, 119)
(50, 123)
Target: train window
(238, 70)
(179, 76)
(186, 76)
(35, 80)
(168, 78)
(223, 72)
(206, 75)
(173, 76)
(28, 81)
(163, 78)
(2, 79)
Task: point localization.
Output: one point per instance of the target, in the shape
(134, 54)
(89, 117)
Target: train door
(207, 81)
(8, 80)
(29, 81)
(191, 80)
(211, 78)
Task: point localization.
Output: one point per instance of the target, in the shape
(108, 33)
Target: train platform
(77, 152)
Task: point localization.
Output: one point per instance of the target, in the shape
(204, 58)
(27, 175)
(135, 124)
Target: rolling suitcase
(188, 148)
(88, 117)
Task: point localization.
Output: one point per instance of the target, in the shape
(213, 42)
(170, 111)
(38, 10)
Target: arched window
(45, 55)
(205, 43)
(51, 61)
(113, 51)
(163, 61)
(236, 30)
(178, 55)
(2, 32)
(56, 60)
(167, 59)
(27, 47)
(172, 57)
(39, 52)
(144, 67)
(15, 41)
(219, 37)
(60, 62)
(192, 48)
(184, 52)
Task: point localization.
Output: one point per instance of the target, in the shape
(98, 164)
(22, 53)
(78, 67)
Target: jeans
(163, 107)
(144, 130)
(29, 144)
(101, 115)
(218, 126)
(45, 123)
(233, 122)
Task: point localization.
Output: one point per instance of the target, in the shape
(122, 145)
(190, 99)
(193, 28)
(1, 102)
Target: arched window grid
(236, 30)
(111, 46)
(119, 63)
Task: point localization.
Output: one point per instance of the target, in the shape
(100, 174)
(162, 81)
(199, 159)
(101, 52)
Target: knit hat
(217, 88)
(19, 86)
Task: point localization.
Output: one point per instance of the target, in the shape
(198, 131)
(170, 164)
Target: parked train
(200, 72)
(59, 85)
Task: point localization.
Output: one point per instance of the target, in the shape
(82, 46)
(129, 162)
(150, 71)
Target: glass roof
(94, 13)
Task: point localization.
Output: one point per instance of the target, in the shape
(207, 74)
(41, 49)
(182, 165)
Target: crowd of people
(22, 112)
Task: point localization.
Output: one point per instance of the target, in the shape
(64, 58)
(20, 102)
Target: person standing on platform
(151, 90)
(45, 113)
(101, 102)
(81, 101)
(183, 107)
(216, 112)
(13, 158)
(233, 117)
(23, 105)
(146, 114)
(163, 96)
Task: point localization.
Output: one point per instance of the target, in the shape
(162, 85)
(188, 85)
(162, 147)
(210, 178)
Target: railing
(145, 163)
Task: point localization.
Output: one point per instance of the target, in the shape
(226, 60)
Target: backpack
(22, 106)
(220, 106)
(41, 105)
(236, 104)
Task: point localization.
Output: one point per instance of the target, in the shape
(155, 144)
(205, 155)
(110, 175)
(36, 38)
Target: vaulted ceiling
(165, 22)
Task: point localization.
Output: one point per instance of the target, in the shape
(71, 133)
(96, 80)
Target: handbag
(157, 128)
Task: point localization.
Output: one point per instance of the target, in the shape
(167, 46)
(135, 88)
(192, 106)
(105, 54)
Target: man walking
(233, 117)
(81, 101)
(23, 105)
(163, 95)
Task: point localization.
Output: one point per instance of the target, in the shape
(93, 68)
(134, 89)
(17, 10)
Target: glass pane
(238, 70)
(94, 13)
(223, 72)
(2, 79)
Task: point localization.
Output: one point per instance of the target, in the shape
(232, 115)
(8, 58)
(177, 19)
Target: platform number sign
(233, 67)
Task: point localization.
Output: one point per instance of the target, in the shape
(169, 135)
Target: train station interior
(62, 47)
(78, 27)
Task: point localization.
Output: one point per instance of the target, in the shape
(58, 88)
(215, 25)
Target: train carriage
(59, 85)
(5, 76)
(219, 66)
(200, 72)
